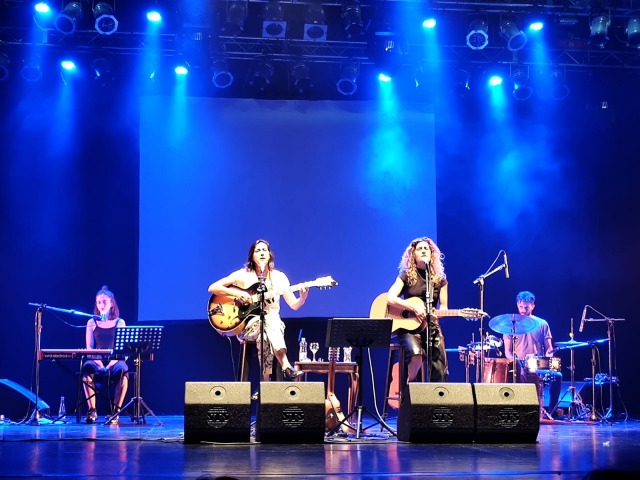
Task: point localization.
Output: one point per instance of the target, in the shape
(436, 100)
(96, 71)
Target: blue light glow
(68, 65)
(181, 70)
(154, 16)
(42, 8)
(383, 77)
(536, 26)
(495, 80)
(429, 23)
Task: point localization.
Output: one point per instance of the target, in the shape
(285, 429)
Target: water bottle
(302, 356)
(347, 354)
(62, 411)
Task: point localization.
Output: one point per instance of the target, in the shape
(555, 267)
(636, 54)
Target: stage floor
(131, 451)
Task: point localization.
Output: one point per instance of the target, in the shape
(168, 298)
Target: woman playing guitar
(242, 284)
(422, 276)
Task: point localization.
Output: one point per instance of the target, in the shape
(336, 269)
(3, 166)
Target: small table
(350, 368)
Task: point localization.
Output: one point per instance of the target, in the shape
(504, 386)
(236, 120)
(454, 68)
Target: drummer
(536, 342)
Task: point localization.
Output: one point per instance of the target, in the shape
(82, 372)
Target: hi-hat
(569, 345)
(512, 323)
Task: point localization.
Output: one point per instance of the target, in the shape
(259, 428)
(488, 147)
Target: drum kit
(498, 369)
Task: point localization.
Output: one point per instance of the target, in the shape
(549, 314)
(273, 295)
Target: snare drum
(543, 363)
(496, 370)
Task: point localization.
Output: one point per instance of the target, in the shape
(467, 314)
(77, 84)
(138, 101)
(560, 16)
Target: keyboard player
(101, 334)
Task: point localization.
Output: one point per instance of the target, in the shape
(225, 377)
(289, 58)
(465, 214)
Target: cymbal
(569, 343)
(512, 323)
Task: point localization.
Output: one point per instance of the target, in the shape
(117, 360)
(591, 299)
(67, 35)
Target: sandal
(92, 416)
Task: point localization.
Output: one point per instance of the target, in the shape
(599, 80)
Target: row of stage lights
(66, 21)
(520, 79)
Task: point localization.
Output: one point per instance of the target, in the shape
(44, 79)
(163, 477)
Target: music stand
(136, 341)
(359, 333)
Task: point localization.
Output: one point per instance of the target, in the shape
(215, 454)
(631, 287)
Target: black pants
(431, 346)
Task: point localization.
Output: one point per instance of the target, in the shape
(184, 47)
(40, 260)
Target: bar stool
(249, 349)
(396, 353)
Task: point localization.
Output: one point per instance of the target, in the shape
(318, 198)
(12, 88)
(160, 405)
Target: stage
(131, 451)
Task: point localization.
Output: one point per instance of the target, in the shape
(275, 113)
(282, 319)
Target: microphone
(584, 315)
(506, 264)
(104, 317)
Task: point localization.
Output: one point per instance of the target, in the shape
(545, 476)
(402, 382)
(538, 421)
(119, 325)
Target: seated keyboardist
(101, 333)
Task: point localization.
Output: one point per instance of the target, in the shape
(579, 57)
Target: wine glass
(314, 347)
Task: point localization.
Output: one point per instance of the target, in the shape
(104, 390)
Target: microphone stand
(37, 417)
(262, 288)
(426, 373)
(610, 337)
(480, 282)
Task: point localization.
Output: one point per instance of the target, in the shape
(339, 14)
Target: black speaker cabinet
(291, 412)
(217, 412)
(506, 412)
(436, 413)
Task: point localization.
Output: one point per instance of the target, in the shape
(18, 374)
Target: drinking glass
(314, 347)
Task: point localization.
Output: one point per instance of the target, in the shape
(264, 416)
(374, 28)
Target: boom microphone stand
(480, 282)
(262, 288)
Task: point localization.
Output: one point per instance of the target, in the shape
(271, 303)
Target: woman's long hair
(408, 262)
(251, 265)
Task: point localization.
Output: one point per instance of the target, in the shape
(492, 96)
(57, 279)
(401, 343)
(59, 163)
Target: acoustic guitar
(228, 315)
(405, 319)
(334, 415)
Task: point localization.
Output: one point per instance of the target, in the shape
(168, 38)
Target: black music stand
(359, 333)
(136, 341)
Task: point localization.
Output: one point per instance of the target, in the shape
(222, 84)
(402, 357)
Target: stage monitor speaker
(506, 412)
(291, 412)
(217, 412)
(436, 413)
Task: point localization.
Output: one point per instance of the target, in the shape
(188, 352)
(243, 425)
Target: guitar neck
(255, 298)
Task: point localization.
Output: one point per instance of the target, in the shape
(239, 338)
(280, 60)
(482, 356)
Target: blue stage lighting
(429, 23)
(536, 26)
(68, 65)
(154, 16)
(182, 69)
(495, 80)
(67, 20)
(42, 8)
(384, 78)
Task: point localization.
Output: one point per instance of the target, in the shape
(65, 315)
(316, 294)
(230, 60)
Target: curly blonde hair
(436, 266)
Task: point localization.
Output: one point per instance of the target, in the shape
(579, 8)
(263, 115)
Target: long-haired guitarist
(421, 266)
(241, 285)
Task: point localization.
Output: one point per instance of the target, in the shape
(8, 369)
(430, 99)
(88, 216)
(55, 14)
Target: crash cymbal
(512, 323)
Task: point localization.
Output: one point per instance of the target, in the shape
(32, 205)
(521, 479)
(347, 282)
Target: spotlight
(222, 76)
(633, 32)
(516, 39)
(154, 16)
(521, 90)
(273, 22)
(106, 22)
(600, 30)
(559, 88)
(429, 23)
(262, 74)
(315, 28)
(4, 66)
(301, 77)
(478, 36)
(495, 80)
(42, 8)
(461, 82)
(346, 84)
(388, 53)
(67, 20)
(30, 70)
(102, 70)
(182, 68)
(236, 15)
(352, 17)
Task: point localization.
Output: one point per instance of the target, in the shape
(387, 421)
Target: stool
(247, 349)
(395, 351)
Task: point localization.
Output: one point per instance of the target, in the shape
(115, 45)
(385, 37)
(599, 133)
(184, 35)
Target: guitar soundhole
(406, 314)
